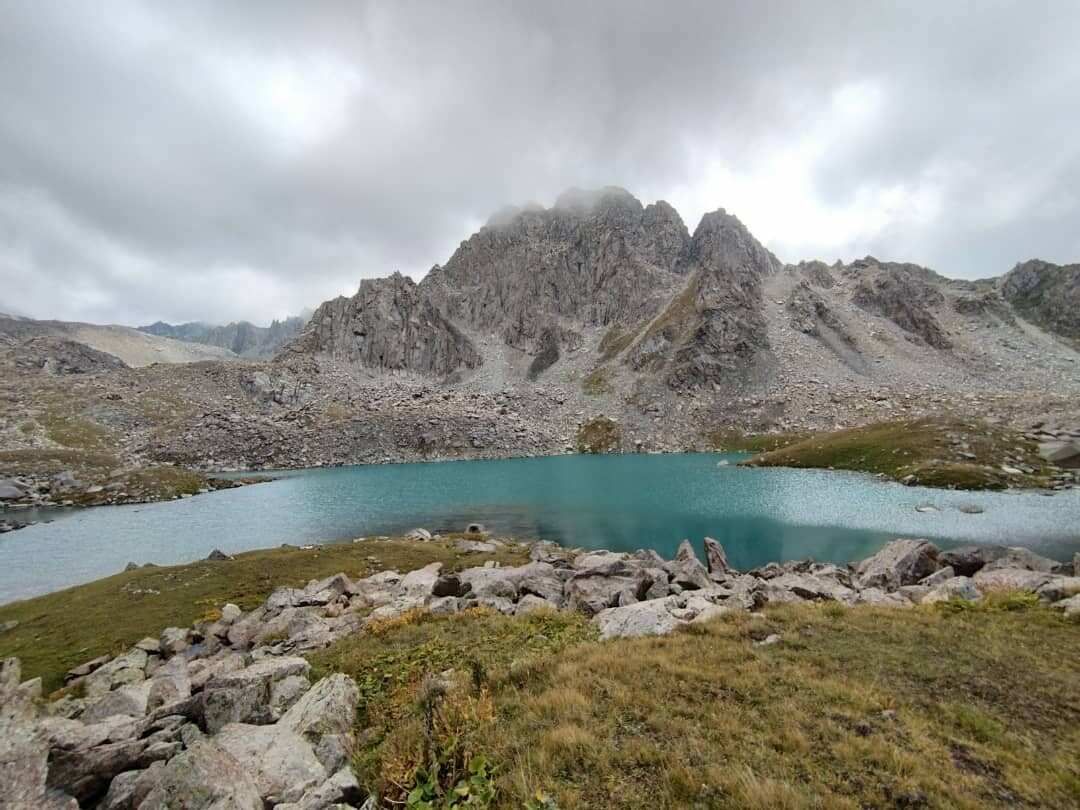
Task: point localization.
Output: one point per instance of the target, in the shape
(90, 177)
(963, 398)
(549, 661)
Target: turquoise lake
(616, 502)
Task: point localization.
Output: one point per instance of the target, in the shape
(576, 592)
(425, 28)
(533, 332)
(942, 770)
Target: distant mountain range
(242, 338)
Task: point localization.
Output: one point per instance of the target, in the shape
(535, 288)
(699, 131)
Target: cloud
(245, 160)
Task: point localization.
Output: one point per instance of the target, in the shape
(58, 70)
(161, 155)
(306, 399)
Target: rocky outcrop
(906, 294)
(58, 356)
(389, 325)
(712, 332)
(1046, 294)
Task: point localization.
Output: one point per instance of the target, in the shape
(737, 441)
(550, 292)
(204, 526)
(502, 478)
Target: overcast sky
(215, 161)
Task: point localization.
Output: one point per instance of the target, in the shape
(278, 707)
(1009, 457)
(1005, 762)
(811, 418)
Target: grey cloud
(216, 161)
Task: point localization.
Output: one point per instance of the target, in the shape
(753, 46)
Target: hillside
(133, 347)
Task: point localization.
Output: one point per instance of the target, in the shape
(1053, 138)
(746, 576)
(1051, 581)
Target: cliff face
(594, 259)
(389, 325)
(1046, 294)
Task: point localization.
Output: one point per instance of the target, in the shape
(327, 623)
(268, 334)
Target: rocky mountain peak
(1046, 294)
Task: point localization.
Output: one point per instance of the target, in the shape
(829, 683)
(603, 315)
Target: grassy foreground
(61, 630)
(853, 708)
(953, 453)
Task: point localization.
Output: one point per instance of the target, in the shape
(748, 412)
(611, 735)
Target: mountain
(1046, 294)
(130, 346)
(600, 283)
(241, 338)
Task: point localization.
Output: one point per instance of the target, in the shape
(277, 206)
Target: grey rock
(968, 560)
(125, 669)
(230, 613)
(174, 640)
(1024, 558)
(1070, 607)
(285, 692)
(204, 777)
(716, 559)
(1059, 588)
(128, 701)
(324, 716)
(170, 683)
(243, 696)
(217, 555)
(939, 576)
(281, 762)
(340, 790)
(900, 562)
(418, 584)
(530, 603)
(810, 586)
(953, 588)
(661, 616)
(1010, 579)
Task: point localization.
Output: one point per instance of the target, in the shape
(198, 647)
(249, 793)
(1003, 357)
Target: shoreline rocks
(226, 710)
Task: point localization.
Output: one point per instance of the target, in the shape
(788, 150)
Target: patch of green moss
(599, 435)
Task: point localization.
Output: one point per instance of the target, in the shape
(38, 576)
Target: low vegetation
(599, 435)
(949, 453)
(733, 441)
(60, 630)
(954, 706)
(597, 382)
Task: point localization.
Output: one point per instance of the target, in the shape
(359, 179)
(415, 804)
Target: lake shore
(504, 609)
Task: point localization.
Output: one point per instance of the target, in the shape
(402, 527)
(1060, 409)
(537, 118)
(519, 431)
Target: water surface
(616, 502)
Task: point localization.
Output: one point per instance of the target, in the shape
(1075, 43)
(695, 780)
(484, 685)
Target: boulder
(324, 716)
(1059, 588)
(531, 603)
(939, 576)
(125, 669)
(340, 790)
(1010, 579)
(475, 547)
(716, 559)
(966, 561)
(539, 579)
(1070, 606)
(418, 584)
(449, 585)
(686, 570)
(243, 696)
(230, 613)
(281, 762)
(954, 588)
(810, 586)
(170, 683)
(900, 562)
(85, 773)
(880, 598)
(174, 640)
(661, 616)
(1022, 558)
(126, 701)
(594, 589)
(598, 559)
(490, 582)
(83, 670)
(204, 777)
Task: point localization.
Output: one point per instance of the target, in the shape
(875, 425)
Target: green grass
(733, 441)
(854, 708)
(931, 450)
(61, 630)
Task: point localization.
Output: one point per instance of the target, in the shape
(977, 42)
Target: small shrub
(597, 383)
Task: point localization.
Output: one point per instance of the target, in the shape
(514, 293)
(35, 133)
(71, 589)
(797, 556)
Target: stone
(475, 546)
(128, 701)
(489, 582)
(1070, 607)
(230, 613)
(1059, 588)
(121, 793)
(125, 669)
(1018, 557)
(281, 762)
(285, 692)
(204, 777)
(85, 669)
(880, 598)
(531, 603)
(686, 570)
(660, 616)
(449, 585)
(953, 588)
(418, 584)
(811, 586)
(174, 640)
(340, 790)
(966, 561)
(598, 559)
(900, 562)
(86, 773)
(716, 559)
(599, 587)
(418, 534)
(939, 576)
(444, 605)
(324, 716)
(1010, 579)
(243, 696)
(217, 555)
(170, 683)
